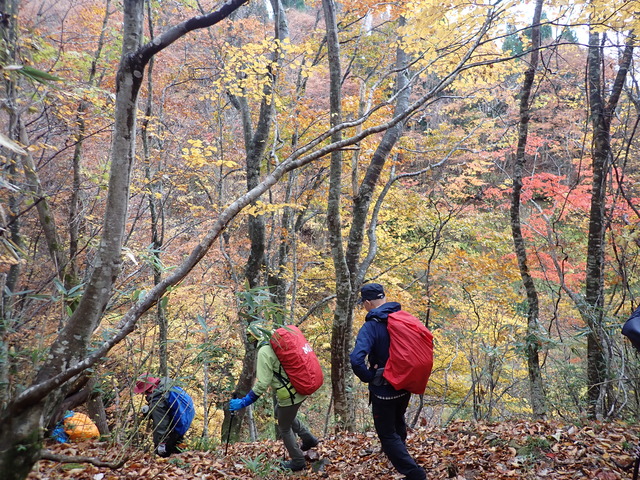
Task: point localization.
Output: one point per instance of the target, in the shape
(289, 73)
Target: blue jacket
(372, 348)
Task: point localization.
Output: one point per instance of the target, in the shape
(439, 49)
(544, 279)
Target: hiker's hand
(378, 379)
(238, 403)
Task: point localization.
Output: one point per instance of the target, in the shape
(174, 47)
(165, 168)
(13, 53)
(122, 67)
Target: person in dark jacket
(167, 434)
(388, 405)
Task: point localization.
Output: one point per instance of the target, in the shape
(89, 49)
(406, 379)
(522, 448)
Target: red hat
(146, 384)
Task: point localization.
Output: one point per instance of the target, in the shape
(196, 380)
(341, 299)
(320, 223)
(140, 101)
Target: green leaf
(76, 291)
(164, 301)
(59, 286)
(38, 75)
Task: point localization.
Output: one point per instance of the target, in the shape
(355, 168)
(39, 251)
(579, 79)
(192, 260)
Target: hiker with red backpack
(171, 411)
(273, 370)
(369, 359)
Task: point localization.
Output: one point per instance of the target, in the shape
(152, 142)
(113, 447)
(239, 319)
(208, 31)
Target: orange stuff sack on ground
(79, 427)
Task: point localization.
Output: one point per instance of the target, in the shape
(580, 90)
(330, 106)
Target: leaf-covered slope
(464, 450)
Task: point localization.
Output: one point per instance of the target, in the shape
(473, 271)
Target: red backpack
(298, 359)
(410, 353)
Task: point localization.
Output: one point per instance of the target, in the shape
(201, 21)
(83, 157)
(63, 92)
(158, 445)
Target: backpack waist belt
(391, 397)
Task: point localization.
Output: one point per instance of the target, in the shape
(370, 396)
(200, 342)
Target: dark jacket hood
(382, 312)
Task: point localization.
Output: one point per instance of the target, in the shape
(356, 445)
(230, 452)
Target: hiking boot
(309, 444)
(291, 466)
(419, 474)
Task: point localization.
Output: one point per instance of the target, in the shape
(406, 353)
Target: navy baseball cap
(371, 291)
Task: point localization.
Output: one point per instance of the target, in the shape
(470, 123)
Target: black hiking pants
(388, 418)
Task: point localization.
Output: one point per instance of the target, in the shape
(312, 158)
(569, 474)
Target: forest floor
(461, 451)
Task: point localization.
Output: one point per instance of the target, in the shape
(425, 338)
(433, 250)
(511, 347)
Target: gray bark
(9, 220)
(532, 349)
(156, 212)
(343, 405)
(45, 215)
(602, 111)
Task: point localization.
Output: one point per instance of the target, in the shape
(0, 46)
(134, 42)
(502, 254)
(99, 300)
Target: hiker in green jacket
(269, 373)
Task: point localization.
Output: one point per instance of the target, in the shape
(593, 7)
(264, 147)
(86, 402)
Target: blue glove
(238, 403)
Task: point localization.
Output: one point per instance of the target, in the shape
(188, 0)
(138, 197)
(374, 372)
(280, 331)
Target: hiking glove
(238, 403)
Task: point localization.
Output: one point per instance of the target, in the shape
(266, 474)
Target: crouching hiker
(388, 405)
(171, 410)
(271, 373)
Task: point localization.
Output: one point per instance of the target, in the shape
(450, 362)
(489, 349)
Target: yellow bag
(80, 427)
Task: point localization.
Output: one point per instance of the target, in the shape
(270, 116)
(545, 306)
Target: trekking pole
(233, 414)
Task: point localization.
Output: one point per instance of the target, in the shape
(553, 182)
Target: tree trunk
(598, 362)
(96, 410)
(349, 271)
(155, 211)
(10, 222)
(536, 388)
(598, 369)
(343, 405)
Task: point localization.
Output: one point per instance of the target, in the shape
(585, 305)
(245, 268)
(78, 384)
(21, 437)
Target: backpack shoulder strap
(379, 320)
(285, 383)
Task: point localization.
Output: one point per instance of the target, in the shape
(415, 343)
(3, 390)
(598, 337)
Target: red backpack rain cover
(298, 359)
(410, 354)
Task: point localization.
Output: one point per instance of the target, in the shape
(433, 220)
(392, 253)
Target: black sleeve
(160, 415)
